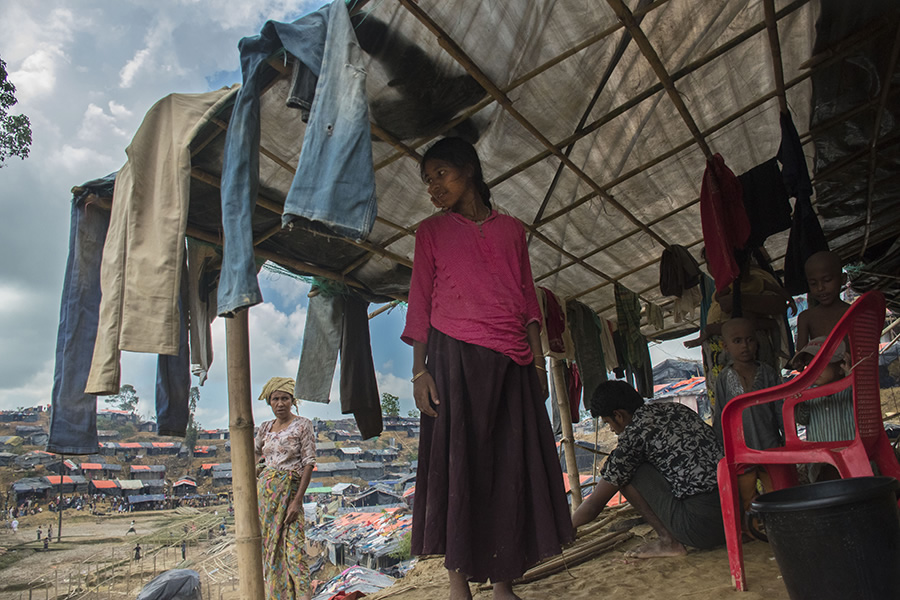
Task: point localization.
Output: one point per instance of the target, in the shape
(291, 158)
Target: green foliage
(15, 130)
(413, 413)
(390, 405)
(127, 399)
(193, 428)
(404, 550)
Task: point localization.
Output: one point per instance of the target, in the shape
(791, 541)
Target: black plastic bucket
(836, 539)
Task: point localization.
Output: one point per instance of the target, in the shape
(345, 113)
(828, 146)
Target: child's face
(740, 343)
(824, 282)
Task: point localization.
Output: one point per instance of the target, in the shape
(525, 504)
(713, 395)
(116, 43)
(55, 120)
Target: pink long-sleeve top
(473, 282)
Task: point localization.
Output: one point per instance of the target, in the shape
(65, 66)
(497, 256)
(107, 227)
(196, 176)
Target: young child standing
(489, 492)
(825, 279)
(762, 423)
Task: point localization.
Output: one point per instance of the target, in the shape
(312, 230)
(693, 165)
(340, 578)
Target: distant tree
(127, 399)
(413, 413)
(193, 427)
(15, 130)
(390, 405)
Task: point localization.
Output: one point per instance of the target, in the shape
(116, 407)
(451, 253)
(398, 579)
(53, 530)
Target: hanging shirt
(473, 282)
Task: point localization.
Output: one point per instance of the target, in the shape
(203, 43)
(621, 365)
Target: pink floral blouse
(290, 449)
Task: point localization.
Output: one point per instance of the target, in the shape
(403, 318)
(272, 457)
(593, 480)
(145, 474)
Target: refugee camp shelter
(30, 488)
(70, 483)
(595, 123)
(184, 487)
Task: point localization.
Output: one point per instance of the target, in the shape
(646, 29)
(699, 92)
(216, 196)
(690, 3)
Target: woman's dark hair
(611, 396)
(460, 154)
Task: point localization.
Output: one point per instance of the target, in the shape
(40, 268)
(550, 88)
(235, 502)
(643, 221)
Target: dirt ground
(94, 558)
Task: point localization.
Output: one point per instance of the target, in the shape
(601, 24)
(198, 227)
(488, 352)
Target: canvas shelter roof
(130, 484)
(104, 484)
(594, 122)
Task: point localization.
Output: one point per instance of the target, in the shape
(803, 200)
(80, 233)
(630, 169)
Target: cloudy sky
(86, 72)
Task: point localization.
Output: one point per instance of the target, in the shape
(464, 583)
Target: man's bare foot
(657, 548)
(503, 591)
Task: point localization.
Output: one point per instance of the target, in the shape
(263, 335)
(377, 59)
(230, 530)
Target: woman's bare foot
(459, 586)
(503, 591)
(657, 548)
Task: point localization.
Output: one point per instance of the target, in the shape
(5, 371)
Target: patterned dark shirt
(672, 438)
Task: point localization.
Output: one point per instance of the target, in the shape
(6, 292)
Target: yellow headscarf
(277, 384)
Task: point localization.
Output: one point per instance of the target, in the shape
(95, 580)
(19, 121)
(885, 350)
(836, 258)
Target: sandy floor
(698, 576)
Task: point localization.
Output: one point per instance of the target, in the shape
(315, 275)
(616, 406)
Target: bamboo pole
(568, 439)
(775, 51)
(457, 53)
(649, 52)
(247, 530)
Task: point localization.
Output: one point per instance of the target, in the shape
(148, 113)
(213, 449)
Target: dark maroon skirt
(489, 488)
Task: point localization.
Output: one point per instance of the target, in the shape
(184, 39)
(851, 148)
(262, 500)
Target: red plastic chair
(861, 327)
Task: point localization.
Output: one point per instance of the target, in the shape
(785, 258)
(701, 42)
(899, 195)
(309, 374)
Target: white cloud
(97, 126)
(37, 75)
(131, 68)
(80, 160)
(119, 111)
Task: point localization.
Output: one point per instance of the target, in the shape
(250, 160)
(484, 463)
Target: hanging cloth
(766, 202)
(806, 237)
(655, 316)
(678, 271)
(724, 220)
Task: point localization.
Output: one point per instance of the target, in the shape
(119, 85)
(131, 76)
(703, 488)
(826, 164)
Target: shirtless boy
(825, 279)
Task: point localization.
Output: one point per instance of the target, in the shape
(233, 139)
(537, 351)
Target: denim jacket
(335, 181)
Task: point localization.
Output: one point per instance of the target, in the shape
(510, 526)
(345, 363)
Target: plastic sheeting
(176, 584)
(571, 76)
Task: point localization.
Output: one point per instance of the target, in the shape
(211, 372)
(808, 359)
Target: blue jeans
(173, 375)
(73, 419)
(334, 185)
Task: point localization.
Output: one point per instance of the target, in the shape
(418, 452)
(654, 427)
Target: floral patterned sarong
(286, 572)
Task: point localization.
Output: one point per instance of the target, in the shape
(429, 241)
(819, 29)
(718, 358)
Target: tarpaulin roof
(54, 479)
(594, 123)
(30, 484)
(139, 498)
(184, 482)
(140, 467)
(104, 484)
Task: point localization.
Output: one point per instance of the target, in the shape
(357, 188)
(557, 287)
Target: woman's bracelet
(419, 374)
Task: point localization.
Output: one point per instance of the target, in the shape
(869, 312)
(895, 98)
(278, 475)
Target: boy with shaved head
(825, 279)
(762, 423)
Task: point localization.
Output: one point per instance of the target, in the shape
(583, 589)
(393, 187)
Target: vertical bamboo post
(56, 581)
(568, 439)
(59, 504)
(247, 532)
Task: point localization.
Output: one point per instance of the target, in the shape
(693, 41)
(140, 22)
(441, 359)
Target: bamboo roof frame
(666, 82)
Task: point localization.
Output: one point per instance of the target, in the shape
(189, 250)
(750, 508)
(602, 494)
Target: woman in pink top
(489, 490)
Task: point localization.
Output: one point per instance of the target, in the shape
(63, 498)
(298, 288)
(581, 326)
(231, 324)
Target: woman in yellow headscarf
(287, 444)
